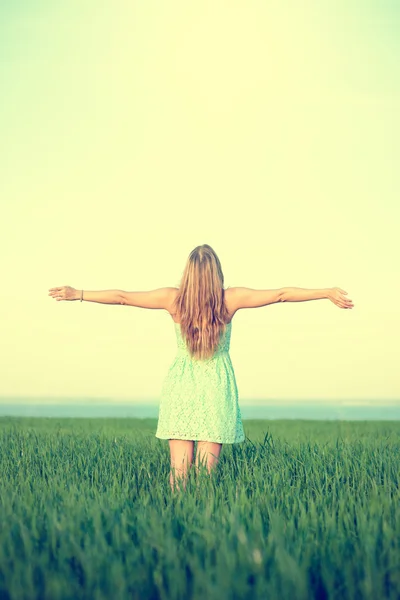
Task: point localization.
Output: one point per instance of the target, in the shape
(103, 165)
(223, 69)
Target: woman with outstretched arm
(199, 397)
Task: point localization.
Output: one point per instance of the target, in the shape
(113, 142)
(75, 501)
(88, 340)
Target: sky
(132, 132)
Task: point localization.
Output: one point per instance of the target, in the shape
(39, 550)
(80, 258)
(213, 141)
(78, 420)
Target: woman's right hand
(65, 292)
(337, 296)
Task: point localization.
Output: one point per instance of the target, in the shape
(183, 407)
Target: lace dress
(199, 399)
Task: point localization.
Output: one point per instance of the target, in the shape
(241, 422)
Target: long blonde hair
(200, 302)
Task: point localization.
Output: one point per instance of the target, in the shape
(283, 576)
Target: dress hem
(196, 439)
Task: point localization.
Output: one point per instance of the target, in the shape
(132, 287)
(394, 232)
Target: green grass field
(301, 510)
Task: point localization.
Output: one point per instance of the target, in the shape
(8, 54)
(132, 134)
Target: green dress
(199, 398)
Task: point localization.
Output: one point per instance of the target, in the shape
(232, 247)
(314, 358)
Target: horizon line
(155, 401)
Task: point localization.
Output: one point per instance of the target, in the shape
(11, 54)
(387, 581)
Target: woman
(199, 399)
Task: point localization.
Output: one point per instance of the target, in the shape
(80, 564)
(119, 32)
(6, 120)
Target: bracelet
(81, 295)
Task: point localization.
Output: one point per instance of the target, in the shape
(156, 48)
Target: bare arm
(67, 292)
(295, 294)
(102, 296)
(242, 297)
(335, 295)
(159, 298)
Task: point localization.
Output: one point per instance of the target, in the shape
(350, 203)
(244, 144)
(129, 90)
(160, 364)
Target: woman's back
(235, 299)
(223, 346)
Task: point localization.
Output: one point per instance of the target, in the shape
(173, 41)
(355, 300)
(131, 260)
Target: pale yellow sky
(132, 132)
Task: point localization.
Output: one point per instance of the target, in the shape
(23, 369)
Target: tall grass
(301, 510)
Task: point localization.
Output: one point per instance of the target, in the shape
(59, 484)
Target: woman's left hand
(65, 292)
